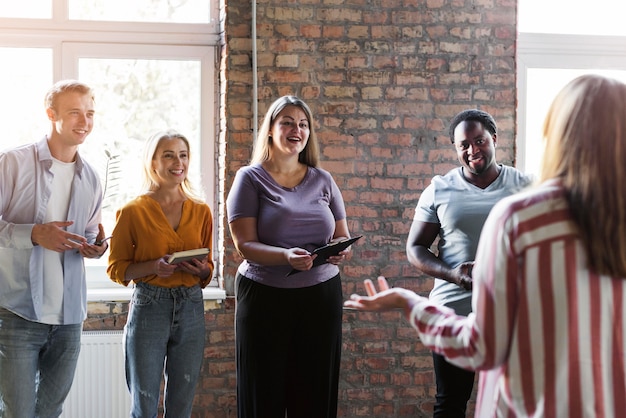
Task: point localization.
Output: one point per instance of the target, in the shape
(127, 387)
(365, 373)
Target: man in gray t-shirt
(454, 208)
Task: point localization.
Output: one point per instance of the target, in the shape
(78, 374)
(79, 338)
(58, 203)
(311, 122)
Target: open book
(329, 250)
(180, 256)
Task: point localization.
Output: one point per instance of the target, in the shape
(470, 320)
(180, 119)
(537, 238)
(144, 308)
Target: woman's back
(560, 335)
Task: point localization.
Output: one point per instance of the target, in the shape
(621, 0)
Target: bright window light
(543, 85)
(170, 11)
(23, 87)
(32, 9)
(575, 17)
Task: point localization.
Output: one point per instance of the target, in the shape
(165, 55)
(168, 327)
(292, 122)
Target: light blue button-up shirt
(25, 188)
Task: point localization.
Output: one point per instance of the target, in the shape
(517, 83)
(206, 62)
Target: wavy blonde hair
(585, 147)
(261, 149)
(150, 180)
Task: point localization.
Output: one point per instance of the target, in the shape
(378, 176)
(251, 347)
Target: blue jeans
(37, 365)
(165, 330)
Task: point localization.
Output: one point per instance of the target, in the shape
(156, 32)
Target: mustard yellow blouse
(142, 233)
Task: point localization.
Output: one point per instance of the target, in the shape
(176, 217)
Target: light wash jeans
(37, 365)
(164, 330)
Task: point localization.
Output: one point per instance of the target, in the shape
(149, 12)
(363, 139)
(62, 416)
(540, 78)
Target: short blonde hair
(585, 147)
(65, 86)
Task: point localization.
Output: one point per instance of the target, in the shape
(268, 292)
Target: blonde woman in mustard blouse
(165, 329)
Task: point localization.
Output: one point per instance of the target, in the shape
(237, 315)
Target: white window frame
(558, 51)
(72, 52)
(70, 40)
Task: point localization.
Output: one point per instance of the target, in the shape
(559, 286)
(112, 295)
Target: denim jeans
(164, 331)
(37, 365)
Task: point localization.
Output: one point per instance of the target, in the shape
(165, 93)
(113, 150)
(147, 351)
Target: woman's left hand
(341, 256)
(337, 259)
(195, 266)
(385, 300)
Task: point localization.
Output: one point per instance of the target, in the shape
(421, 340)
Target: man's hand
(463, 275)
(95, 250)
(53, 236)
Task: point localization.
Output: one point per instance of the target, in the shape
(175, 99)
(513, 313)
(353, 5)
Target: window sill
(123, 294)
(101, 289)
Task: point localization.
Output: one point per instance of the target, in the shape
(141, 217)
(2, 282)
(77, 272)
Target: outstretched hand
(385, 300)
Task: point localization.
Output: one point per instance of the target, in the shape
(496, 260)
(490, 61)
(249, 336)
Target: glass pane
(134, 99)
(573, 17)
(169, 11)
(543, 85)
(31, 9)
(23, 84)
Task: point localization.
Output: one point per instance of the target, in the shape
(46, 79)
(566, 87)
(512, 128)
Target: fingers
(61, 224)
(163, 268)
(89, 251)
(101, 235)
(382, 283)
(75, 238)
(371, 289)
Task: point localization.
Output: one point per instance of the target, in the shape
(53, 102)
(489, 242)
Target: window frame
(70, 40)
(560, 51)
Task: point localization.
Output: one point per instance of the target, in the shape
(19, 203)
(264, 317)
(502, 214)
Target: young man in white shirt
(50, 201)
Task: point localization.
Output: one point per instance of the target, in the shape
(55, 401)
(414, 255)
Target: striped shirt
(547, 334)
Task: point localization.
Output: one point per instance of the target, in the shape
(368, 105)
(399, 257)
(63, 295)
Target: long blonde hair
(150, 180)
(261, 149)
(585, 147)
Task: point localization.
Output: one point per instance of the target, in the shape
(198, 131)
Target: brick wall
(383, 78)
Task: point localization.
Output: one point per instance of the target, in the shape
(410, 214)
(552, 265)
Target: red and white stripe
(547, 334)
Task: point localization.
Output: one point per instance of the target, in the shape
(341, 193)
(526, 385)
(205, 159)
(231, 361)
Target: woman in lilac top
(288, 328)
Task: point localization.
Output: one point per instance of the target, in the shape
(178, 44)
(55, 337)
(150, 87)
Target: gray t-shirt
(303, 216)
(461, 208)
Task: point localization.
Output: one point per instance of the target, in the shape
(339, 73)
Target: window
(553, 51)
(156, 72)
(187, 11)
(572, 17)
(33, 9)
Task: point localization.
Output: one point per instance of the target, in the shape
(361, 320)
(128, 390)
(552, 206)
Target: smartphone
(103, 240)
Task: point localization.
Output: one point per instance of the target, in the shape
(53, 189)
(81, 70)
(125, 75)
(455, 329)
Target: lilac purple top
(303, 216)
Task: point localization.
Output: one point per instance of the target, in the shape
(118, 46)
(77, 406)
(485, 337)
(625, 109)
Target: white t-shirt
(58, 204)
(461, 208)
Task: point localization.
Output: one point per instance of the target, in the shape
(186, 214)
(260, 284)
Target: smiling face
(72, 118)
(171, 161)
(290, 131)
(475, 148)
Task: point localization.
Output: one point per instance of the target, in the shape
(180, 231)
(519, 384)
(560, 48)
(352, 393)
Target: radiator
(99, 389)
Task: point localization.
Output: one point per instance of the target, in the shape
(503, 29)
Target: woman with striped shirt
(548, 332)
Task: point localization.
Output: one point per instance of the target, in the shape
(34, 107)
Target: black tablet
(329, 250)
